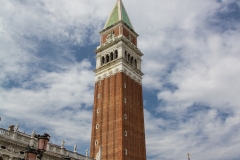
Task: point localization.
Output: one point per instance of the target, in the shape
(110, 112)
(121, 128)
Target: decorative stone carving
(110, 36)
(105, 74)
(11, 128)
(86, 154)
(75, 149)
(16, 127)
(63, 142)
(99, 154)
(130, 38)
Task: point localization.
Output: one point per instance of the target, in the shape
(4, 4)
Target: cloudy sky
(191, 64)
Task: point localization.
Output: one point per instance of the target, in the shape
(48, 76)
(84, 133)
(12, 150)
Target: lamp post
(42, 144)
(31, 153)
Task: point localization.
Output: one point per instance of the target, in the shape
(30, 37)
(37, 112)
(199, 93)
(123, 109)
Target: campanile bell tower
(118, 120)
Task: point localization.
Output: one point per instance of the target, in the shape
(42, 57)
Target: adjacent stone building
(13, 144)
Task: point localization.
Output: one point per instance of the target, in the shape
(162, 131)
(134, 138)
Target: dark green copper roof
(115, 17)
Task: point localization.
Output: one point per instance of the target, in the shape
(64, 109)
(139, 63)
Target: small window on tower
(98, 95)
(125, 151)
(125, 100)
(125, 116)
(97, 126)
(125, 133)
(98, 111)
(125, 86)
(99, 83)
(96, 143)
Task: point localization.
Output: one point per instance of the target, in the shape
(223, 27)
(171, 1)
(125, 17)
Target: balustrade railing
(5, 132)
(52, 148)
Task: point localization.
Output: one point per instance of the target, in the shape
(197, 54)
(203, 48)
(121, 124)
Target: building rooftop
(12, 138)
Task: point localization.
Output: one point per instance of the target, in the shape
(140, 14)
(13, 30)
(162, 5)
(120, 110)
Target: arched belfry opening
(111, 56)
(132, 60)
(107, 58)
(103, 60)
(116, 54)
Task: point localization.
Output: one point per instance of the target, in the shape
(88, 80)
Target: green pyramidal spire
(119, 13)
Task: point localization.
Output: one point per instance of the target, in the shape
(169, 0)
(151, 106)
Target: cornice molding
(121, 22)
(17, 141)
(118, 66)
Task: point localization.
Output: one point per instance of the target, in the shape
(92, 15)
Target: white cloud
(202, 61)
(204, 136)
(58, 101)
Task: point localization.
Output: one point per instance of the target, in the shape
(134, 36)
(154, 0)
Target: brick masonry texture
(116, 32)
(119, 30)
(112, 124)
(126, 33)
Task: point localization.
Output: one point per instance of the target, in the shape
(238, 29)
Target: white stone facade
(13, 144)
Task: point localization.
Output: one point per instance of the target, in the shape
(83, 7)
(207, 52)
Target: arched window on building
(128, 57)
(111, 56)
(116, 54)
(135, 63)
(107, 58)
(103, 60)
(131, 60)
